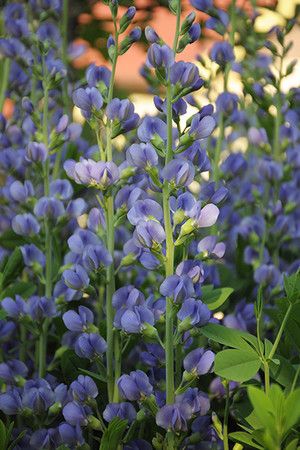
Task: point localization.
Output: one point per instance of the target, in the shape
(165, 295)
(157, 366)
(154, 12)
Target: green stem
(280, 332)
(118, 365)
(110, 235)
(48, 243)
(216, 161)
(226, 415)
(278, 118)
(66, 100)
(267, 377)
(4, 81)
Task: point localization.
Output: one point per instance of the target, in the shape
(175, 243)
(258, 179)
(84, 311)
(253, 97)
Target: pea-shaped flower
(210, 246)
(99, 174)
(144, 210)
(49, 207)
(89, 100)
(142, 156)
(76, 278)
(123, 115)
(177, 287)
(25, 224)
(84, 388)
(199, 361)
(149, 234)
(193, 313)
(96, 256)
(179, 171)
(124, 410)
(90, 346)
(78, 322)
(174, 417)
(222, 53)
(134, 386)
(160, 56)
(134, 320)
(36, 152)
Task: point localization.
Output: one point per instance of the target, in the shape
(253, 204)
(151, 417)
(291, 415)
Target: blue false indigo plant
(149, 297)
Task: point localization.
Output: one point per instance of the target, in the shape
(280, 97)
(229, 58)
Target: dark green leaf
(13, 267)
(113, 435)
(292, 287)
(9, 239)
(101, 376)
(2, 436)
(20, 288)
(237, 365)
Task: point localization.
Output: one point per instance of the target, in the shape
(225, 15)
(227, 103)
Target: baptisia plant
(120, 247)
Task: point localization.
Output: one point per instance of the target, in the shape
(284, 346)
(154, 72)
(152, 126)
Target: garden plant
(149, 266)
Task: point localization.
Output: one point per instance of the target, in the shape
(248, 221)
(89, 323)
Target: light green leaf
(292, 287)
(292, 445)
(263, 407)
(237, 365)
(229, 336)
(292, 407)
(245, 438)
(216, 297)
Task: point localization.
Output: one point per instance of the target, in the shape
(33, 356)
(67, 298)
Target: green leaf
(216, 297)
(237, 365)
(9, 239)
(292, 407)
(229, 336)
(13, 267)
(284, 372)
(2, 436)
(113, 435)
(292, 445)
(292, 287)
(22, 288)
(263, 407)
(101, 376)
(245, 438)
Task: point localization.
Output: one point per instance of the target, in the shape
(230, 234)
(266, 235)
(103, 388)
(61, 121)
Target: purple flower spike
(199, 361)
(135, 386)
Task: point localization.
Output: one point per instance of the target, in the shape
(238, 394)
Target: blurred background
(90, 25)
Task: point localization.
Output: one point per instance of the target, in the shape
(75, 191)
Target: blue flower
(84, 388)
(123, 410)
(199, 361)
(78, 321)
(142, 156)
(210, 246)
(160, 56)
(177, 287)
(49, 207)
(62, 189)
(95, 257)
(174, 417)
(179, 171)
(127, 296)
(14, 308)
(89, 100)
(36, 152)
(11, 369)
(71, 435)
(39, 308)
(97, 75)
(135, 386)
(134, 319)
(145, 210)
(90, 346)
(197, 400)
(193, 313)
(45, 438)
(11, 402)
(20, 192)
(38, 395)
(25, 224)
(75, 414)
(82, 238)
(76, 278)
(202, 5)
(122, 113)
(185, 76)
(222, 53)
(149, 234)
(151, 129)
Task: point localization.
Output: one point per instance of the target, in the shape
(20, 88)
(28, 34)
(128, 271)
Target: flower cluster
(125, 271)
